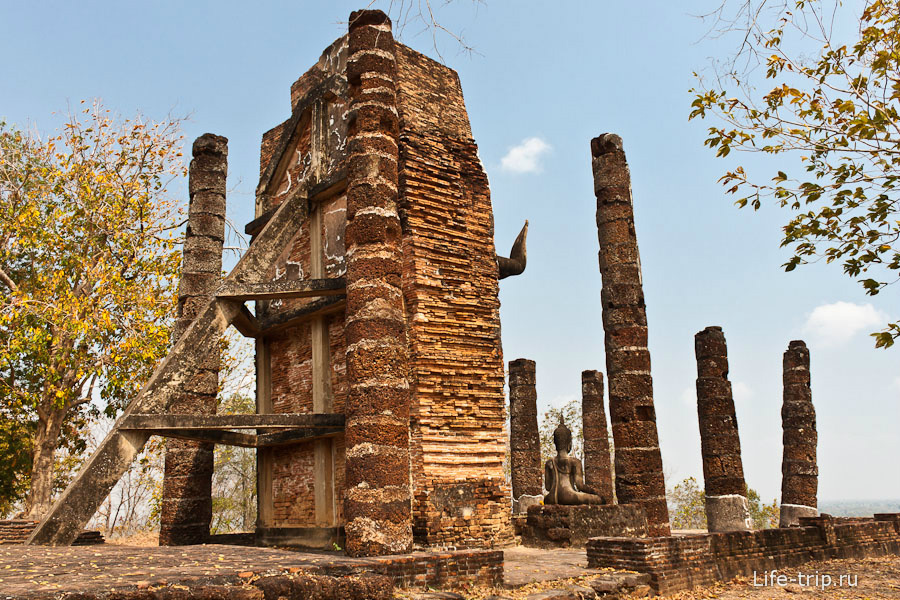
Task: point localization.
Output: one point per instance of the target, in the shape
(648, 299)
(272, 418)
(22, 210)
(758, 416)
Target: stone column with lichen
(377, 505)
(799, 471)
(723, 472)
(597, 466)
(638, 462)
(524, 439)
(186, 509)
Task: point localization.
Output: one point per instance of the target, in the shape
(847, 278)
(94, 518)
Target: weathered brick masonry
(639, 472)
(524, 438)
(399, 205)
(186, 509)
(16, 531)
(720, 445)
(799, 471)
(682, 562)
(597, 467)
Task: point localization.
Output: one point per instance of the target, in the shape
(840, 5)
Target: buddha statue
(564, 475)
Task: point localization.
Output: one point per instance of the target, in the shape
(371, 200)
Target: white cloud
(740, 391)
(689, 396)
(835, 324)
(525, 158)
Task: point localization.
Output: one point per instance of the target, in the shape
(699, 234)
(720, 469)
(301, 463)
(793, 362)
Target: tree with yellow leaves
(89, 259)
(830, 98)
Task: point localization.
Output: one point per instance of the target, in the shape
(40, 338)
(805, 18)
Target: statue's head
(562, 436)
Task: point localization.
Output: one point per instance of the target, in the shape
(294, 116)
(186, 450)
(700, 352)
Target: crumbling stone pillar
(639, 472)
(377, 504)
(524, 439)
(723, 471)
(597, 467)
(799, 472)
(186, 509)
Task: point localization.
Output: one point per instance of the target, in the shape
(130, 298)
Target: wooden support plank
(274, 290)
(295, 436)
(280, 321)
(78, 503)
(245, 322)
(223, 422)
(265, 500)
(214, 436)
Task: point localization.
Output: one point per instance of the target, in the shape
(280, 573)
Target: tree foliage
(834, 104)
(88, 260)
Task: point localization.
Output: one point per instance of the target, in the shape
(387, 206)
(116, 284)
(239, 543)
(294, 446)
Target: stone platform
(39, 572)
(559, 526)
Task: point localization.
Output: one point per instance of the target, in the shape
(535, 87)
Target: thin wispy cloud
(525, 157)
(835, 324)
(741, 392)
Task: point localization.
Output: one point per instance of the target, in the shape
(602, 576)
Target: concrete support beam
(639, 471)
(279, 290)
(377, 502)
(720, 445)
(799, 470)
(526, 467)
(597, 463)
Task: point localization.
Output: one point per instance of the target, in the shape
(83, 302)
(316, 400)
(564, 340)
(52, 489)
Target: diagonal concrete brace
(78, 503)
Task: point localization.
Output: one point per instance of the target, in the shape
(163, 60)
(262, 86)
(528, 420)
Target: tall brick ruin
(597, 464)
(407, 346)
(186, 509)
(723, 472)
(526, 470)
(638, 462)
(799, 472)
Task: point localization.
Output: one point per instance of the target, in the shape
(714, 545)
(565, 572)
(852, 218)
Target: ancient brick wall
(681, 562)
(450, 288)
(448, 279)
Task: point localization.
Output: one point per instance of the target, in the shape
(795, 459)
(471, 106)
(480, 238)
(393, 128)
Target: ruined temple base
(17, 531)
(677, 563)
(559, 526)
(226, 572)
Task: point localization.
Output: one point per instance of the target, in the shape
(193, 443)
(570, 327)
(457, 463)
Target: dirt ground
(873, 579)
(868, 578)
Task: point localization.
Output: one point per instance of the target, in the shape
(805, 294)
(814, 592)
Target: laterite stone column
(723, 471)
(597, 467)
(377, 504)
(186, 509)
(524, 439)
(639, 470)
(799, 472)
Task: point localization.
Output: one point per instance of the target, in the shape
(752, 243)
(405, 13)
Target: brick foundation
(678, 563)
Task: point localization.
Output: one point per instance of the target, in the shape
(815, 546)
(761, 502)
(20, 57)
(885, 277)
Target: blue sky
(544, 82)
